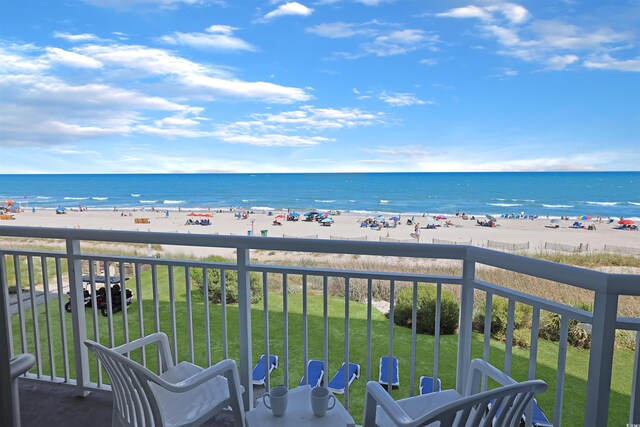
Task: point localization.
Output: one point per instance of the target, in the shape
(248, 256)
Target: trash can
(264, 233)
(249, 233)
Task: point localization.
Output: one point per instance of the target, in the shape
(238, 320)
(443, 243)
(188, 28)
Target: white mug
(277, 400)
(320, 397)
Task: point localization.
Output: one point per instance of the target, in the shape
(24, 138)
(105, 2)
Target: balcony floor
(48, 404)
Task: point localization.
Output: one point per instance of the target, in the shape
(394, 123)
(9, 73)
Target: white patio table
(299, 413)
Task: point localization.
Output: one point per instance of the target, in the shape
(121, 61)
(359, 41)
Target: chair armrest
(163, 346)
(20, 364)
(376, 395)
(478, 369)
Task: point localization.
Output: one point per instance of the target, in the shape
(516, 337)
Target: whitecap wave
(505, 205)
(100, 198)
(602, 203)
(557, 206)
(634, 203)
(172, 202)
(384, 202)
(135, 195)
(352, 201)
(324, 201)
(148, 201)
(248, 200)
(262, 208)
(75, 198)
(43, 197)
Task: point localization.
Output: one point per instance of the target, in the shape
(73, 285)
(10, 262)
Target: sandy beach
(514, 231)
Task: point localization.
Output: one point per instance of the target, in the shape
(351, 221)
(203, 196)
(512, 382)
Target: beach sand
(516, 231)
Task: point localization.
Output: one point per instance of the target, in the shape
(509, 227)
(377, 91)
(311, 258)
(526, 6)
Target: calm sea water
(565, 193)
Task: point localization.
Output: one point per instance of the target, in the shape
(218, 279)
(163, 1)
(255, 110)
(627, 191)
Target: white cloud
(397, 99)
(71, 59)
(429, 61)
(288, 9)
(399, 42)
(560, 62)
(219, 37)
(76, 38)
(336, 30)
(467, 12)
(160, 4)
(606, 62)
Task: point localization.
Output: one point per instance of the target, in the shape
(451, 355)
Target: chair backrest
(500, 407)
(133, 399)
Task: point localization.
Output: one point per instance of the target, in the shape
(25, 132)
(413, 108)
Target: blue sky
(145, 86)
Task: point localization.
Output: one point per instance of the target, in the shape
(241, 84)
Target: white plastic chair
(500, 407)
(17, 366)
(183, 395)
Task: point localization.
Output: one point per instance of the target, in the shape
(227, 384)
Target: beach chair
(315, 370)
(538, 418)
(259, 374)
(383, 377)
(337, 385)
(427, 385)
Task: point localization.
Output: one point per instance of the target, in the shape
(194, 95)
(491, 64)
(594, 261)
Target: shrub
(500, 316)
(426, 310)
(231, 283)
(577, 336)
(522, 338)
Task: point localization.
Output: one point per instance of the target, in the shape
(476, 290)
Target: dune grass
(575, 380)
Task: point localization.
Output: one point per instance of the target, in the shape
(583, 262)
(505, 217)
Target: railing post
(634, 417)
(244, 322)
(78, 318)
(6, 403)
(464, 328)
(605, 308)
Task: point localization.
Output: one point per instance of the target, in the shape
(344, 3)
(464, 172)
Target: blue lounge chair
(259, 374)
(315, 370)
(337, 385)
(383, 377)
(427, 385)
(538, 418)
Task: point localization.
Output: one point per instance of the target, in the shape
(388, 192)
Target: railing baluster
(94, 313)
(23, 326)
(265, 313)
(305, 330)
(143, 352)
(207, 319)
(508, 351)
(414, 331)
(562, 362)
(5, 293)
(325, 316)
(369, 306)
(488, 317)
(533, 355)
(347, 292)
(123, 302)
(172, 312)
(223, 300)
(34, 316)
(243, 260)
(107, 290)
(466, 318)
(156, 312)
(285, 328)
(392, 297)
(63, 321)
(187, 278)
(436, 337)
(45, 286)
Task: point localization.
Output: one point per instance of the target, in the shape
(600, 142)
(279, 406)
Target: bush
(577, 336)
(522, 338)
(500, 316)
(231, 283)
(426, 310)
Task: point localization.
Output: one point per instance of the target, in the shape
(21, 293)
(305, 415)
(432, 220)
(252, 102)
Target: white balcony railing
(62, 357)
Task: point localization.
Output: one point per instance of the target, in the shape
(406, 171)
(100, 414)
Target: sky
(197, 86)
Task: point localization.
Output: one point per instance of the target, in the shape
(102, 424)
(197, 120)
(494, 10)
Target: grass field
(577, 360)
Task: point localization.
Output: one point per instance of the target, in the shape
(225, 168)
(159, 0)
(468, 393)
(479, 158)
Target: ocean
(604, 194)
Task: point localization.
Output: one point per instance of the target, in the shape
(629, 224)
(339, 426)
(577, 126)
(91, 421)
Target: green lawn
(575, 380)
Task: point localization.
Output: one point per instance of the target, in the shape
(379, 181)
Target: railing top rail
(29, 252)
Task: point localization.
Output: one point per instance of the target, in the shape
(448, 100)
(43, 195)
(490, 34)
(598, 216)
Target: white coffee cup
(277, 400)
(320, 397)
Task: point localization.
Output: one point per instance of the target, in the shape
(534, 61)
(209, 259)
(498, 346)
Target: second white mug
(320, 397)
(278, 397)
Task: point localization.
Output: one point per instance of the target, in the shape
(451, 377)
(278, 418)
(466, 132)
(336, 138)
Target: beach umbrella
(61, 208)
(584, 218)
(294, 214)
(8, 202)
(380, 218)
(394, 218)
(626, 222)
(555, 221)
(441, 217)
(491, 218)
(326, 220)
(208, 215)
(279, 216)
(193, 214)
(326, 214)
(311, 213)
